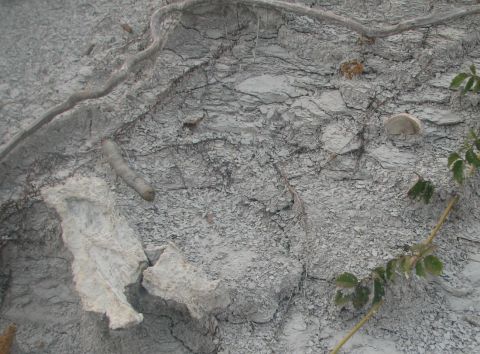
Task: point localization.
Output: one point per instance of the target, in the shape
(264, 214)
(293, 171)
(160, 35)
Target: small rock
(440, 116)
(390, 157)
(356, 94)
(269, 88)
(442, 81)
(340, 138)
(331, 102)
(403, 123)
(107, 256)
(172, 278)
(310, 105)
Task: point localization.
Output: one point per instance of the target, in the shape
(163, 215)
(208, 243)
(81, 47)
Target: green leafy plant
(372, 288)
(419, 257)
(470, 161)
(422, 190)
(472, 80)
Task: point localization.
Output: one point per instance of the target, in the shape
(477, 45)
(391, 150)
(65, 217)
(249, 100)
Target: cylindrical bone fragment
(114, 157)
(403, 123)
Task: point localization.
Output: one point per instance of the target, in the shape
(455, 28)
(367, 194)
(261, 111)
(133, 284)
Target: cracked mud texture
(237, 96)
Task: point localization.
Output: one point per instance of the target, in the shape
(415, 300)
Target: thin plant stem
(359, 325)
(442, 219)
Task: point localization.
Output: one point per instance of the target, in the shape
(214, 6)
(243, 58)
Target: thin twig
(413, 260)
(442, 219)
(359, 325)
(170, 15)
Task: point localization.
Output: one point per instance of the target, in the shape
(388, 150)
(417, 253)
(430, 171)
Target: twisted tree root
(160, 31)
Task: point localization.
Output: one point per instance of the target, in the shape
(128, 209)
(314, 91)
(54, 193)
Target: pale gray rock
(440, 116)
(429, 94)
(269, 88)
(275, 51)
(175, 280)
(356, 94)
(391, 157)
(311, 105)
(331, 102)
(442, 81)
(107, 256)
(340, 138)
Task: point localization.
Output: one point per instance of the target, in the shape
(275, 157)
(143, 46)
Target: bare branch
(165, 19)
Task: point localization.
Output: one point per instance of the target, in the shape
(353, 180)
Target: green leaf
(469, 84)
(380, 274)
(452, 158)
(458, 171)
(476, 88)
(472, 158)
(473, 69)
(378, 291)
(390, 271)
(341, 298)
(433, 265)
(428, 192)
(360, 296)
(457, 80)
(420, 269)
(477, 144)
(346, 280)
(417, 189)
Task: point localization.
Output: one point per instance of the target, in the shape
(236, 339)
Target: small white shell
(403, 123)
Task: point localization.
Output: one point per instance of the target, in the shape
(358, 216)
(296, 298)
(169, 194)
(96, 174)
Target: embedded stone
(269, 88)
(331, 102)
(391, 157)
(175, 280)
(340, 138)
(107, 256)
(441, 117)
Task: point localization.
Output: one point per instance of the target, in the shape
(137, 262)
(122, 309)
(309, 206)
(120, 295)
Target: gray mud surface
(238, 98)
